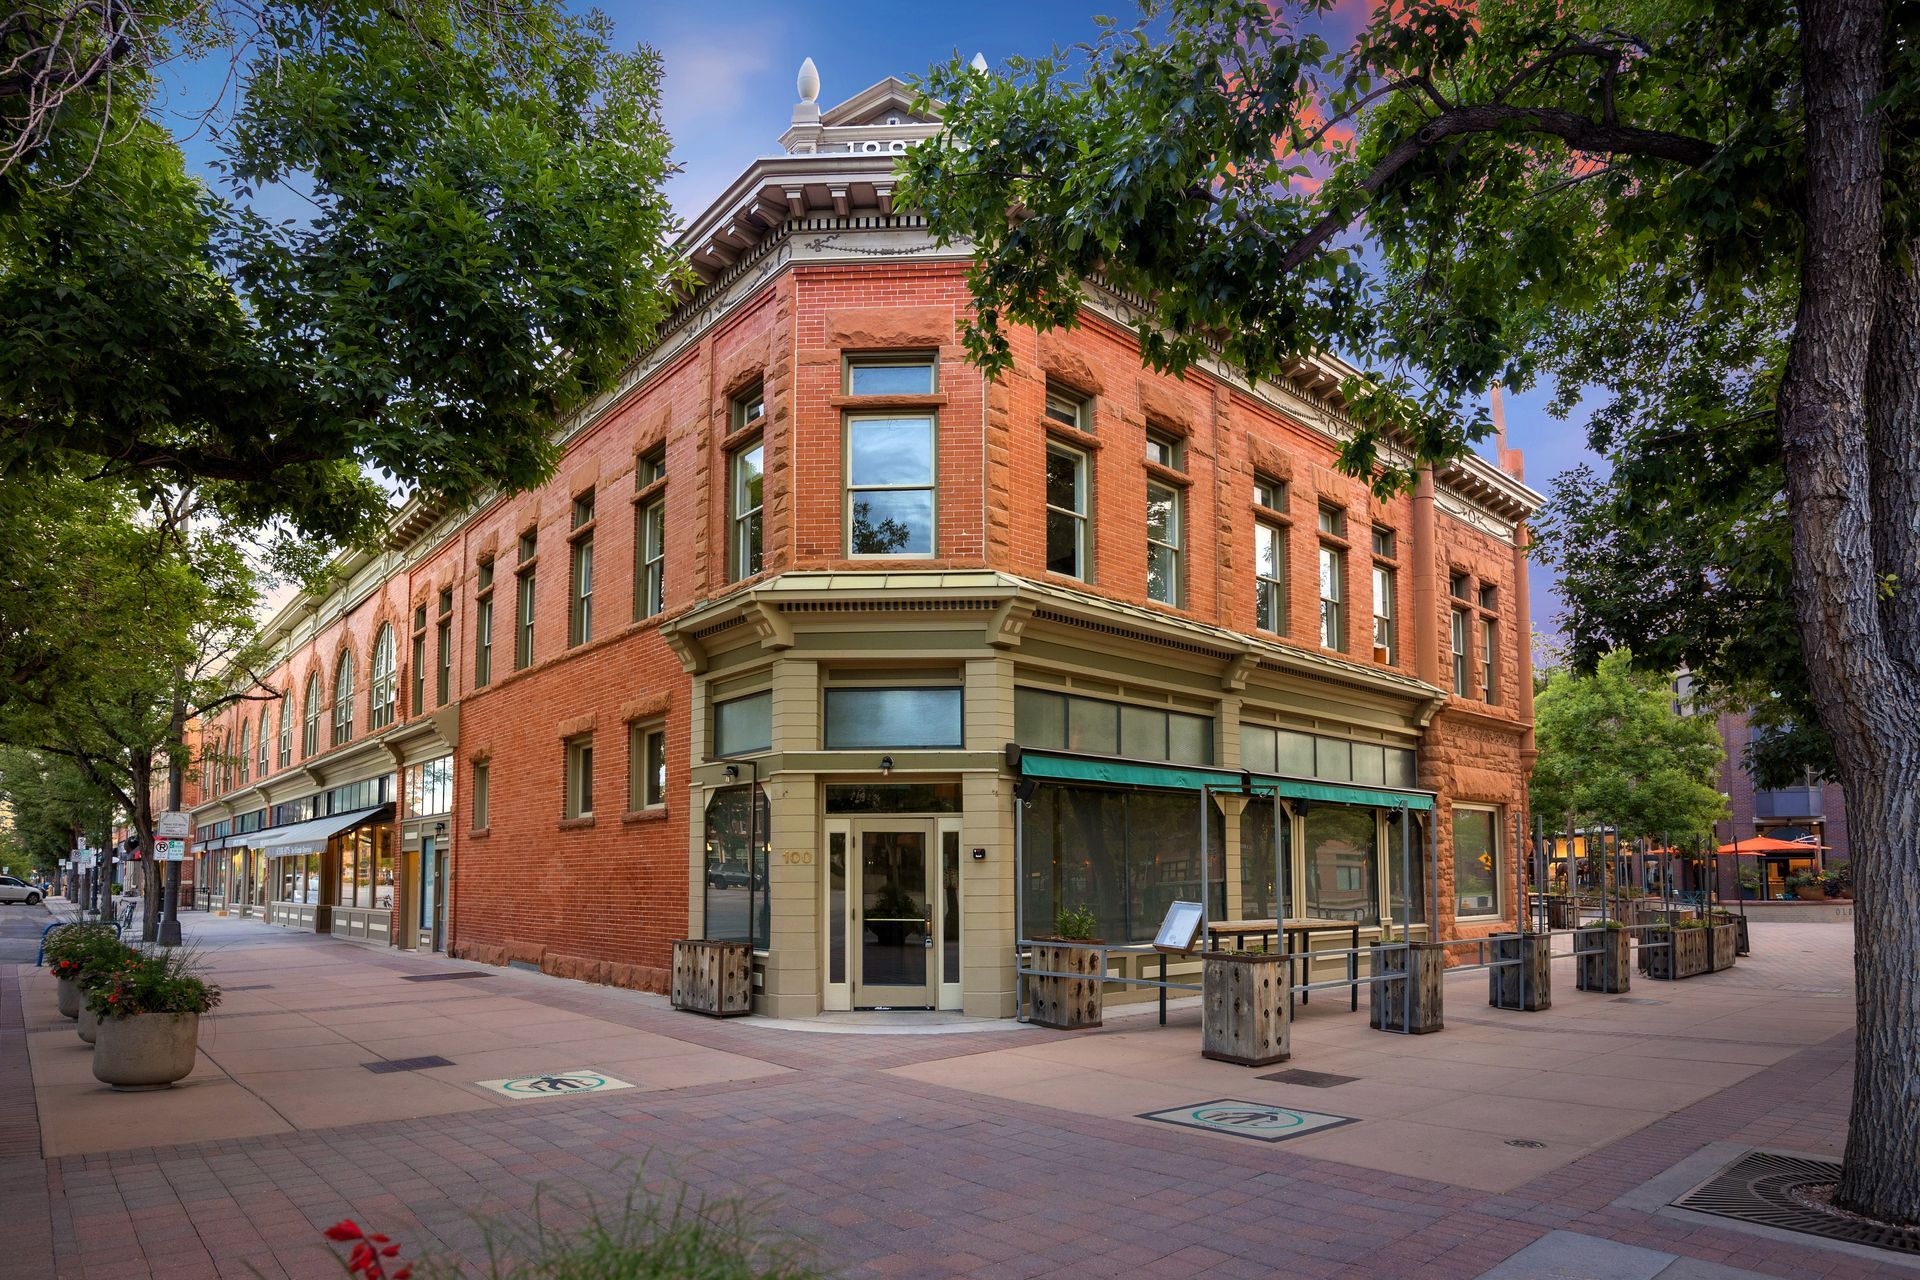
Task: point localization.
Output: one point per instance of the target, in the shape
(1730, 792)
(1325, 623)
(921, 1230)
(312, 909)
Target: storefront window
(1124, 854)
(1476, 863)
(1415, 855)
(736, 865)
(1343, 859)
(1256, 861)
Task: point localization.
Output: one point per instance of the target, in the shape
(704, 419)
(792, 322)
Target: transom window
(1383, 543)
(1068, 409)
(1163, 449)
(743, 725)
(1460, 586)
(1163, 543)
(583, 509)
(651, 467)
(749, 407)
(890, 376)
(1333, 522)
(1489, 597)
(1068, 532)
(1269, 493)
(1061, 721)
(1270, 576)
(890, 494)
(859, 717)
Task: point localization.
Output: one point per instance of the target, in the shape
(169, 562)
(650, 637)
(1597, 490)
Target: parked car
(14, 889)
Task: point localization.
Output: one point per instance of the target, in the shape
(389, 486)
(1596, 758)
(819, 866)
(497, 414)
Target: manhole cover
(1261, 1121)
(440, 977)
(1530, 1143)
(386, 1065)
(1311, 1079)
(1789, 1192)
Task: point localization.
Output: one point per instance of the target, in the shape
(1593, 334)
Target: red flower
(343, 1231)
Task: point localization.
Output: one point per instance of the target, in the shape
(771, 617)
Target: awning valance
(1108, 771)
(310, 836)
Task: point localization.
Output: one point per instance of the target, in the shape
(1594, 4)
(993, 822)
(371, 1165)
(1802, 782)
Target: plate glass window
(911, 376)
(743, 725)
(746, 499)
(1270, 577)
(1067, 526)
(1333, 611)
(890, 497)
(1163, 543)
(1476, 862)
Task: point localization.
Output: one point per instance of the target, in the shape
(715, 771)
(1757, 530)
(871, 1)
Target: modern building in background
(819, 640)
(1814, 811)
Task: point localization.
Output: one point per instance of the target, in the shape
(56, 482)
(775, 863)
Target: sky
(729, 94)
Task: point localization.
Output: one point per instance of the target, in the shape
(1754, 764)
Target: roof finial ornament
(809, 81)
(979, 63)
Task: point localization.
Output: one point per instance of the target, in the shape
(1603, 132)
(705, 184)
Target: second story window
(890, 493)
(286, 728)
(1163, 543)
(418, 703)
(483, 628)
(246, 753)
(1333, 522)
(443, 681)
(310, 727)
(1164, 450)
(1333, 597)
(1383, 613)
(580, 575)
(579, 798)
(650, 555)
(1270, 577)
(380, 688)
(343, 700)
(523, 608)
(748, 493)
(910, 375)
(1459, 642)
(1269, 493)
(1068, 550)
(263, 742)
(748, 408)
(1489, 650)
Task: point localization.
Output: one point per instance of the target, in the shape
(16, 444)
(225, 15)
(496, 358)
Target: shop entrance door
(893, 960)
(433, 894)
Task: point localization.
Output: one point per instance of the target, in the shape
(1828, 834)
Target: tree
(1613, 752)
(1707, 205)
(120, 625)
(484, 247)
(53, 804)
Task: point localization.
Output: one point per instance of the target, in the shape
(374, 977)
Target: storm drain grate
(386, 1065)
(440, 977)
(1788, 1192)
(1311, 1079)
(1635, 1000)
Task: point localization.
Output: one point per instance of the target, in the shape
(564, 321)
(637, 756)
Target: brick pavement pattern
(839, 1144)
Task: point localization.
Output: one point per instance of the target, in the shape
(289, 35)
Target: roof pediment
(891, 97)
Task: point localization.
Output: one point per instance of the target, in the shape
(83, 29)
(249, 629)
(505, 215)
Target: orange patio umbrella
(1767, 844)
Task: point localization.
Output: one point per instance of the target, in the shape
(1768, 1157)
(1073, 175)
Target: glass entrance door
(895, 927)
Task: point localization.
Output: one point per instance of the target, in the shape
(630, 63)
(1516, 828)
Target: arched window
(343, 700)
(263, 742)
(246, 753)
(286, 728)
(380, 690)
(310, 732)
(226, 763)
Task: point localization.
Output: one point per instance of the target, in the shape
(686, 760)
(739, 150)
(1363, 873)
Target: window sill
(1074, 437)
(639, 817)
(479, 833)
(938, 400)
(652, 490)
(1160, 471)
(576, 824)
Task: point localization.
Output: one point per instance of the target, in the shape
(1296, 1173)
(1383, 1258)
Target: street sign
(170, 850)
(172, 825)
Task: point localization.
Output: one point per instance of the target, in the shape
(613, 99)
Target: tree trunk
(1860, 672)
(142, 817)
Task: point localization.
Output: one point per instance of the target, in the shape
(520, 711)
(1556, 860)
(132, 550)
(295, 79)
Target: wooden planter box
(1244, 1007)
(1723, 946)
(1388, 1000)
(714, 978)
(1694, 951)
(1528, 985)
(1070, 1003)
(1610, 966)
(1563, 913)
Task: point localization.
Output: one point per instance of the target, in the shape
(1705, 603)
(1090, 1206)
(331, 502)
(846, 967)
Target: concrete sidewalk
(1007, 1151)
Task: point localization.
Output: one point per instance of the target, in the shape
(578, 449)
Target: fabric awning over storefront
(1063, 767)
(311, 836)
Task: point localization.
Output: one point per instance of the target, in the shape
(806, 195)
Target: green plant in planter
(81, 954)
(161, 982)
(1076, 924)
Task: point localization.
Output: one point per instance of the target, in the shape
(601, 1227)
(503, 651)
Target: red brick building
(751, 663)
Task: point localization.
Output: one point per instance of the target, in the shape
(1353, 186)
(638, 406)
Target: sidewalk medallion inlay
(556, 1084)
(1261, 1121)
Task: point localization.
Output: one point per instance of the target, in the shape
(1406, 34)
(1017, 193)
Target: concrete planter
(1607, 965)
(1074, 1002)
(714, 978)
(68, 993)
(1387, 1001)
(89, 1026)
(1243, 1003)
(1528, 985)
(146, 1051)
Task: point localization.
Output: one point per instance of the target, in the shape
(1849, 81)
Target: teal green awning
(1062, 767)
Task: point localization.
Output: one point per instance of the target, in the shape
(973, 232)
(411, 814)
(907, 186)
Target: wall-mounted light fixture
(731, 772)
(1023, 790)
(886, 765)
(439, 828)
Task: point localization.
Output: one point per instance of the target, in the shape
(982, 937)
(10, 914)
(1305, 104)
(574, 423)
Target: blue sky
(729, 92)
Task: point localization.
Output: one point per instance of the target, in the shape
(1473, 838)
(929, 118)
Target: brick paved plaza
(1004, 1151)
